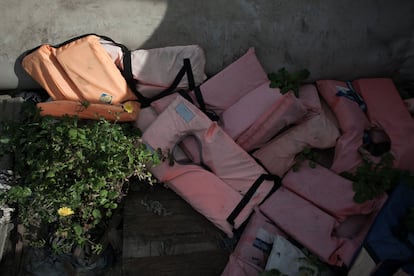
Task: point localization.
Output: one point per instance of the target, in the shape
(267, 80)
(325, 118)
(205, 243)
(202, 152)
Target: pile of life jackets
(234, 142)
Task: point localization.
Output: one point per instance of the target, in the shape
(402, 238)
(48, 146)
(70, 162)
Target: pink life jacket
(240, 96)
(352, 122)
(228, 183)
(248, 110)
(154, 70)
(283, 113)
(316, 208)
(145, 118)
(386, 110)
(253, 248)
(355, 125)
(278, 155)
(235, 81)
(229, 85)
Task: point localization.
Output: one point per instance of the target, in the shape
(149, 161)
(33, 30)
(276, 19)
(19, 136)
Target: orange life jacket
(82, 79)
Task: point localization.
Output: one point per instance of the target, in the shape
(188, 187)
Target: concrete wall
(342, 39)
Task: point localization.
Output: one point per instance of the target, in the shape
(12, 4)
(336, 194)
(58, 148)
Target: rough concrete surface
(339, 39)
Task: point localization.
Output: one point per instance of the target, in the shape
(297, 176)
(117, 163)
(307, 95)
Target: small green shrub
(306, 154)
(286, 81)
(373, 179)
(72, 175)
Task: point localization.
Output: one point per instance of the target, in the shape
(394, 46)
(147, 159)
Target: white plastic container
(5, 228)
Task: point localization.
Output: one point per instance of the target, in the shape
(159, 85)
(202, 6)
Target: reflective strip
(350, 93)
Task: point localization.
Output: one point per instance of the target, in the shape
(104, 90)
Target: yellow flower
(128, 107)
(65, 211)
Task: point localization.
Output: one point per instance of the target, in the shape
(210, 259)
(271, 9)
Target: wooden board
(170, 241)
(208, 263)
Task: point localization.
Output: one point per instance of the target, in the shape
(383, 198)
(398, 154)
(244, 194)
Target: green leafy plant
(306, 154)
(373, 179)
(286, 81)
(313, 260)
(72, 175)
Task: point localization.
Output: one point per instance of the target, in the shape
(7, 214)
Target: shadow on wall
(24, 80)
(332, 39)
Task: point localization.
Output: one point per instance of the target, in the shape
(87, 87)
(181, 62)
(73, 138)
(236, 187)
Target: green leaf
(287, 81)
(4, 140)
(73, 133)
(113, 195)
(301, 157)
(312, 164)
(295, 167)
(104, 193)
(359, 198)
(303, 74)
(103, 201)
(96, 214)
(284, 90)
(273, 85)
(61, 161)
(78, 229)
(50, 174)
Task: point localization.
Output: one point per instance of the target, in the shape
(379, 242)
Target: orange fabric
(43, 67)
(122, 112)
(77, 71)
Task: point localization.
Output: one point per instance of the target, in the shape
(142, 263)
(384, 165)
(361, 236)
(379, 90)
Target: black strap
(252, 190)
(185, 95)
(127, 72)
(171, 89)
(189, 161)
(65, 42)
(190, 76)
(199, 97)
(186, 69)
(79, 37)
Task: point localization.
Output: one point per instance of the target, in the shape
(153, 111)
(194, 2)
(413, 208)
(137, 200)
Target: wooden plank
(181, 231)
(208, 263)
(181, 217)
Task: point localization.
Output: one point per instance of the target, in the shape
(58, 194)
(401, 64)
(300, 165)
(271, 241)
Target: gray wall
(341, 39)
